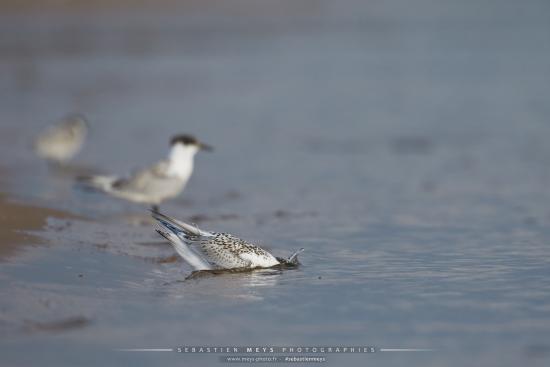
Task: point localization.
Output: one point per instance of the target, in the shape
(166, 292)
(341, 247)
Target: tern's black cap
(187, 139)
(184, 139)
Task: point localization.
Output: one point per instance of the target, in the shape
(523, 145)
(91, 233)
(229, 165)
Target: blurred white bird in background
(60, 142)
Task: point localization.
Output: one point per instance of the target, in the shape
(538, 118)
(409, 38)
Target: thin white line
(145, 350)
(404, 350)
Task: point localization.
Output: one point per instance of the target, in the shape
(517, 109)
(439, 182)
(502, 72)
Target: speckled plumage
(227, 251)
(210, 250)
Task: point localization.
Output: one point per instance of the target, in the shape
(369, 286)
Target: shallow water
(404, 147)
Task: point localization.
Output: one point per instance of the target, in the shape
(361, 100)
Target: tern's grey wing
(149, 185)
(219, 255)
(143, 178)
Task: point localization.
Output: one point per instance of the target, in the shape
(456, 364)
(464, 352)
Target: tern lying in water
(157, 183)
(62, 141)
(214, 251)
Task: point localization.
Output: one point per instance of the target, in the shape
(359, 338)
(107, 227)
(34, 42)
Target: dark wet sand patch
(408, 145)
(336, 146)
(61, 325)
(538, 350)
(283, 214)
(168, 259)
(17, 219)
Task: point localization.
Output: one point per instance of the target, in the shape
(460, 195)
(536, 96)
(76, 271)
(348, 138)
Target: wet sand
(18, 221)
(404, 147)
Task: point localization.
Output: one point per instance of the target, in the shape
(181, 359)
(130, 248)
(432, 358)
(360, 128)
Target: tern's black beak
(205, 147)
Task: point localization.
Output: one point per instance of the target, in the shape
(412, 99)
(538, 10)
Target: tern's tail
(103, 183)
(181, 229)
(184, 250)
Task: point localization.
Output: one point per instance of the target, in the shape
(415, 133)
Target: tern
(213, 251)
(159, 182)
(60, 142)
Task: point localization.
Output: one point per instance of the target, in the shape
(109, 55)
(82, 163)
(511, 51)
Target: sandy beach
(403, 145)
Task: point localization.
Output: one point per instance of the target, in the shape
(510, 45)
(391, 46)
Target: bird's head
(75, 124)
(189, 142)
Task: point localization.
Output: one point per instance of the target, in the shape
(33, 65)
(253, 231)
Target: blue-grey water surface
(403, 144)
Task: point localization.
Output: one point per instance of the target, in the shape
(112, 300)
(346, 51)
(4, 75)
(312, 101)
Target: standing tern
(159, 182)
